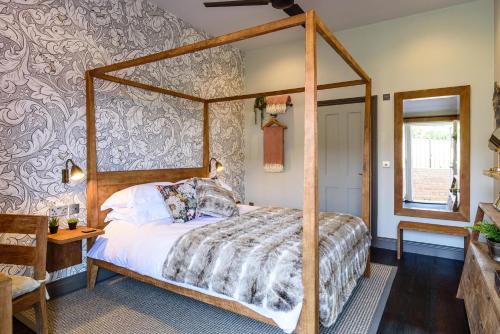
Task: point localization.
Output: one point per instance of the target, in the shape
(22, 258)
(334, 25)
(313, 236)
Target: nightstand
(64, 248)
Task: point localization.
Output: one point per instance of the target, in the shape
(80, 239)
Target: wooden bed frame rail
(100, 185)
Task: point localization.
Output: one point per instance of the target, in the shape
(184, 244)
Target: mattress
(144, 249)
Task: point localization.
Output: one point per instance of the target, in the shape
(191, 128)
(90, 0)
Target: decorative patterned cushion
(21, 285)
(213, 200)
(180, 199)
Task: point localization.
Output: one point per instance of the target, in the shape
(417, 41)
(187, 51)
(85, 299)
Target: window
(430, 162)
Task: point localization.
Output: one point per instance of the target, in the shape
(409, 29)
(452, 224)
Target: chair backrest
(25, 255)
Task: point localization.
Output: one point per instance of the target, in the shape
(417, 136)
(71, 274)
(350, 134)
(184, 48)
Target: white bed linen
(144, 248)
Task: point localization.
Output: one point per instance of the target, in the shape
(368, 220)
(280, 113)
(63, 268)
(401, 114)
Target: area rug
(125, 306)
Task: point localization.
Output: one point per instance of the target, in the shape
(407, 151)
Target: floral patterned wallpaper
(45, 48)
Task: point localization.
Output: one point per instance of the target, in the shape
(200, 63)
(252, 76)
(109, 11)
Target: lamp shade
(218, 166)
(73, 174)
(76, 173)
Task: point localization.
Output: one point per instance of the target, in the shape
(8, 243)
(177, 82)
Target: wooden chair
(5, 304)
(26, 291)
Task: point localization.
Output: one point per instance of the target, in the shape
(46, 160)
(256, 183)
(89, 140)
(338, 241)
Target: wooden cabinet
(477, 288)
(477, 284)
(64, 248)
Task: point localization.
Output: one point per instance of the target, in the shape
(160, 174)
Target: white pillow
(143, 201)
(139, 216)
(136, 196)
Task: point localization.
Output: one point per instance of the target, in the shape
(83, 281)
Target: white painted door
(340, 145)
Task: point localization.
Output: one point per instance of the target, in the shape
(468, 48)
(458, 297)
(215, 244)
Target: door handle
(360, 173)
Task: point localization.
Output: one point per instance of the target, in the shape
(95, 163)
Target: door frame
(370, 181)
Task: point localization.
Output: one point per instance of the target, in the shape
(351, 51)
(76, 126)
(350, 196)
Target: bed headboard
(111, 182)
(101, 185)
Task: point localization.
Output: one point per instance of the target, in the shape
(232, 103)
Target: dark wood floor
(422, 298)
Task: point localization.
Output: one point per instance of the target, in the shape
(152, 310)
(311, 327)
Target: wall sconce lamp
(218, 166)
(76, 173)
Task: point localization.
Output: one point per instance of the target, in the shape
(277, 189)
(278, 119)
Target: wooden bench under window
(432, 228)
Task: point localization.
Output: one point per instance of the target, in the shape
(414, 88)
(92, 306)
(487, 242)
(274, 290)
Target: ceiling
(432, 106)
(337, 14)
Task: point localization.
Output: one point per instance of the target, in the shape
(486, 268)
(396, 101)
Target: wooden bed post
(330, 38)
(92, 216)
(91, 151)
(367, 163)
(206, 137)
(309, 320)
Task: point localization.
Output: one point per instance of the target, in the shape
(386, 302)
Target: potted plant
(53, 225)
(72, 222)
(492, 234)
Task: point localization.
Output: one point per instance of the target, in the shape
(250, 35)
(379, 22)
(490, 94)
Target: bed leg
(368, 266)
(300, 329)
(92, 270)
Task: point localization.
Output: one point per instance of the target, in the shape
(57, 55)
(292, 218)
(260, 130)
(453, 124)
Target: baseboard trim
(72, 283)
(422, 248)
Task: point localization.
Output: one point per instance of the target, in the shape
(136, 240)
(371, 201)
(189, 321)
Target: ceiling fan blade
(293, 10)
(237, 3)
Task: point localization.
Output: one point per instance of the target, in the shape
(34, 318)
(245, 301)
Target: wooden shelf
(64, 236)
(490, 213)
(492, 174)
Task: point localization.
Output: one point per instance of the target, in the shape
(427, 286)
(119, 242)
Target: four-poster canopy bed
(100, 185)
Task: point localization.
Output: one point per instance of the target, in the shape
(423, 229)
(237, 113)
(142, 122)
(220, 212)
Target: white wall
(447, 47)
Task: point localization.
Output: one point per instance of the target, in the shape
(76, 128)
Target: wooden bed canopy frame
(100, 185)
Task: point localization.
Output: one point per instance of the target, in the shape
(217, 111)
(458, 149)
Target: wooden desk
(64, 248)
(5, 304)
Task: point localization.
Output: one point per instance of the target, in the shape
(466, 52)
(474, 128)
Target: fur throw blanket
(256, 258)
